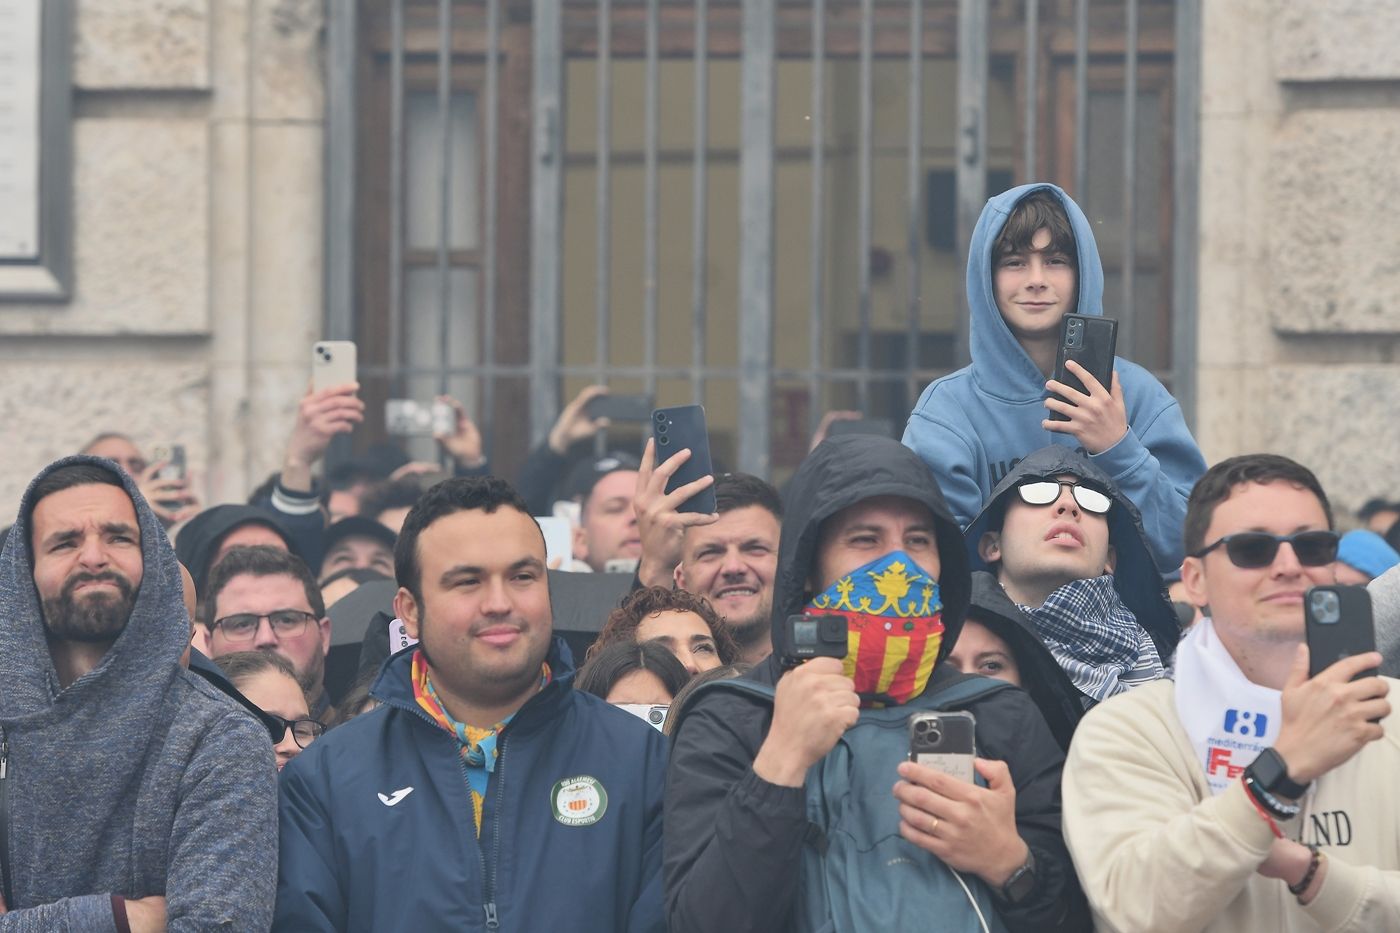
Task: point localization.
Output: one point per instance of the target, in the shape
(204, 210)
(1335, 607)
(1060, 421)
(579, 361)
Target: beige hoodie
(1156, 852)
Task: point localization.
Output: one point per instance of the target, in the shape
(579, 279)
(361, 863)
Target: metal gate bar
(488, 290)
(1128, 313)
(1032, 65)
(396, 211)
(444, 101)
(817, 243)
(1081, 99)
(913, 177)
(699, 229)
(650, 227)
(864, 198)
(602, 284)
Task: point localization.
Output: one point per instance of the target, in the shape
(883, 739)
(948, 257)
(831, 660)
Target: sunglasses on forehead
(1251, 550)
(1047, 492)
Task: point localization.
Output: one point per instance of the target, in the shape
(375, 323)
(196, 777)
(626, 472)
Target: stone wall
(197, 240)
(1299, 323)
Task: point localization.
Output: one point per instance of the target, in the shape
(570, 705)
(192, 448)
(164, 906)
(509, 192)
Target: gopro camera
(814, 636)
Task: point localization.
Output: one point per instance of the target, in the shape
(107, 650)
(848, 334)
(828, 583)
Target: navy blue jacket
(377, 831)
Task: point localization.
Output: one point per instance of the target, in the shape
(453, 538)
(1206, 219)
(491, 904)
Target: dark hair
(1220, 481)
(648, 601)
(259, 561)
(67, 477)
(727, 672)
(463, 494)
(739, 490)
(397, 494)
(239, 666)
(357, 700)
(1375, 505)
(616, 661)
(360, 575)
(1039, 210)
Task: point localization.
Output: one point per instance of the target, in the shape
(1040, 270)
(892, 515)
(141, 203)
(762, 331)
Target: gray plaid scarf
(1096, 639)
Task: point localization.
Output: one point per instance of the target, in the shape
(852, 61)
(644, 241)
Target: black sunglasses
(304, 731)
(1251, 550)
(1047, 491)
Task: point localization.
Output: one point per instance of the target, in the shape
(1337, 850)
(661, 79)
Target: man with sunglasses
(1244, 794)
(265, 599)
(1070, 555)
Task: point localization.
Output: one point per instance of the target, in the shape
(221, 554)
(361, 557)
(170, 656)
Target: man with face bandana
(866, 534)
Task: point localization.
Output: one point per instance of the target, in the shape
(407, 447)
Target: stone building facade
(199, 172)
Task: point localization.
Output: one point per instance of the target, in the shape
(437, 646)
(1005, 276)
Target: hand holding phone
(944, 742)
(1085, 398)
(683, 428)
(333, 363)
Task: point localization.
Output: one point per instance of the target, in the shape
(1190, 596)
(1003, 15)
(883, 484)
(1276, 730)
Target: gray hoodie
(137, 779)
(1385, 607)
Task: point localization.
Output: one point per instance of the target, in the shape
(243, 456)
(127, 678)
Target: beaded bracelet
(1297, 889)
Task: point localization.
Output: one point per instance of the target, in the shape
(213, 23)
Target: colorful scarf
(1096, 639)
(477, 746)
(895, 627)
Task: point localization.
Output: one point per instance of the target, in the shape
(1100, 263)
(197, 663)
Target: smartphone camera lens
(663, 440)
(1326, 607)
(661, 428)
(660, 417)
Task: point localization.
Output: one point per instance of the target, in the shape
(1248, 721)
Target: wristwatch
(1270, 772)
(1022, 880)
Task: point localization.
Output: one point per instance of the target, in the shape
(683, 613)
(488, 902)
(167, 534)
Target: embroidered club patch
(579, 801)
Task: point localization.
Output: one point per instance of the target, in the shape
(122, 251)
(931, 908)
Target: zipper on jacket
(5, 821)
(489, 867)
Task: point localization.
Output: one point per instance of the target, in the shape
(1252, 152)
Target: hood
(1041, 675)
(1135, 576)
(131, 681)
(199, 539)
(1010, 373)
(841, 472)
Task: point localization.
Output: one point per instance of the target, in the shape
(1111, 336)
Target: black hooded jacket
(199, 540)
(733, 841)
(1135, 573)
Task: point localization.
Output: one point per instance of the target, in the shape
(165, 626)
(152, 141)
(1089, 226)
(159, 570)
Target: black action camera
(813, 636)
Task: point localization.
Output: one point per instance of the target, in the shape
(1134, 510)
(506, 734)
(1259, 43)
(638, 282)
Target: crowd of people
(370, 698)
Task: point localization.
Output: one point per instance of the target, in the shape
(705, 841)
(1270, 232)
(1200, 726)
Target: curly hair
(648, 601)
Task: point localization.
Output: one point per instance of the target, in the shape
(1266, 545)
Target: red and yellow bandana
(895, 620)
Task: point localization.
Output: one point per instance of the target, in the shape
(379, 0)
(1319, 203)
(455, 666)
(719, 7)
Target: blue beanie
(1367, 552)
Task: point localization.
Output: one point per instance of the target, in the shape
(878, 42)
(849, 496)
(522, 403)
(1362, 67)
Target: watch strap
(1022, 881)
(1270, 772)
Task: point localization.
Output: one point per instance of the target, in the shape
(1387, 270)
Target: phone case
(1091, 342)
(945, 742)
(620, 407)
(676, 429)
(332, 364)
(1338, 630)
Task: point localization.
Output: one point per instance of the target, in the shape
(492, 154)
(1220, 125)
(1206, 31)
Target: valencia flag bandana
(895, 627)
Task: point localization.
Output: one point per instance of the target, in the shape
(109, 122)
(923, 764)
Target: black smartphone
(1338, 625)
(945, 742)
(1091, 342)
(683, 428)
(620, 407)
(880, 426)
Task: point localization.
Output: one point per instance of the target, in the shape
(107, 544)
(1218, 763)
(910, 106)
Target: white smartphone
(333, 363)
(558, 540)
(944, 742)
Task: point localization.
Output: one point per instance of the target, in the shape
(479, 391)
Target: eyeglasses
(285, 623)
(1047, 492)
(304, 731)
(1251, 550)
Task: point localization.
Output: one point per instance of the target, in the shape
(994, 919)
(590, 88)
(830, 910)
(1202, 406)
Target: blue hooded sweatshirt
(972, 427)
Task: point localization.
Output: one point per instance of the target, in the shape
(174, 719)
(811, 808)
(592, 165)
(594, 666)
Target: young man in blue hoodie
(1032, 260)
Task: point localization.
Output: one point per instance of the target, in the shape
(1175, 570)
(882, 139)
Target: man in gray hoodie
(133, 795)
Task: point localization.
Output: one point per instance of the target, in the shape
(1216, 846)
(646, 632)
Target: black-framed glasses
(243, 626)
(1251, 550)
(304, 731)
(1047, 492)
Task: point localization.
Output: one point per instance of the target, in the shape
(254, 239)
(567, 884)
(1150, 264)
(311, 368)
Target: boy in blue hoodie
(1032, 260)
